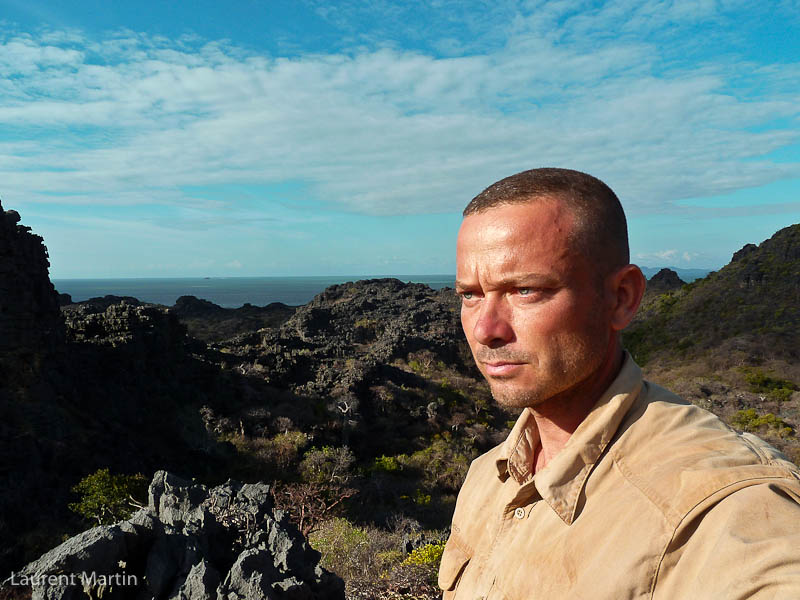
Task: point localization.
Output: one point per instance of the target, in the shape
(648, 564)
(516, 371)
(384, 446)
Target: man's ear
(627, 286)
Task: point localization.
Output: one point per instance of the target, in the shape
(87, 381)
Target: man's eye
(466, 295)
(524, 291)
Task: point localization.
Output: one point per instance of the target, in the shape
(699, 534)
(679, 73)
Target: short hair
(601, 232)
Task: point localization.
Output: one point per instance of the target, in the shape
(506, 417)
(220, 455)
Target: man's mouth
(501, 368)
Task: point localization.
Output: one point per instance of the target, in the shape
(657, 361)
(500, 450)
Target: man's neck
(557, 418)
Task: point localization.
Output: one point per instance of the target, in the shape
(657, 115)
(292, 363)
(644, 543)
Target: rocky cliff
(30, 322)
(115, 386)
(211, 323)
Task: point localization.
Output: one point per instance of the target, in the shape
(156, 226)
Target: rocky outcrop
(335, 342)
(102, 385)
(664, 281)
(104, 302)
(192, 306)
(30, 322)
(212, 323)
(151, 329)
(189, 543)
(774, 261)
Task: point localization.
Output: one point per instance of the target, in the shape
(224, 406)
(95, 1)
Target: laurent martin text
(82, 579)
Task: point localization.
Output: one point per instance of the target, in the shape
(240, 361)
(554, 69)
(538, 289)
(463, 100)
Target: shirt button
(519, 513)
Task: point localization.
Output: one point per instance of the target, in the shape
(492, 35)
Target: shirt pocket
(454, 561)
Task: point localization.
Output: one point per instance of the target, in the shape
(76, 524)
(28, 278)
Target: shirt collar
(561, 482)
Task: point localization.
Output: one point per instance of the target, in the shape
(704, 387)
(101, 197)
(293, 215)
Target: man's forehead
(541, 221)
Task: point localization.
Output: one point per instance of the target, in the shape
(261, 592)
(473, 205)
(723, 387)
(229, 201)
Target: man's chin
(513, 396)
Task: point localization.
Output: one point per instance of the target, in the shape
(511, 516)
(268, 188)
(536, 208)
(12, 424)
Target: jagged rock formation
(103, 385)
(102, 302)
(354, 361)
(30, 322)
(190, 543)
(370, 321)
(775, 261)
(664, 281)
(212, 323)
(141, 329)
(345, 339)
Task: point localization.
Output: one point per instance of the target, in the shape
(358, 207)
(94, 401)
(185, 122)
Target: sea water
(228, 292)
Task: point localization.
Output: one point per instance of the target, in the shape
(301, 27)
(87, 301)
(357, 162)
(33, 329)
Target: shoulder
(477, 495)
(482, 479)
(679, 455)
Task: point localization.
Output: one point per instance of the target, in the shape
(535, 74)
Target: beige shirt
(650, 498)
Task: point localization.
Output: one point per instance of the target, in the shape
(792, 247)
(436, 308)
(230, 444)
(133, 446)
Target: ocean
(228, 292)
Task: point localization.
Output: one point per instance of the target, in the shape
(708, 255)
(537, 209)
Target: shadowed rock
(189, 543)
(30, 321)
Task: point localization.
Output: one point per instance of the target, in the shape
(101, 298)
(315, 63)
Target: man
(608, 487)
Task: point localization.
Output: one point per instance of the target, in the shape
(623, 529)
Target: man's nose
(493, 327)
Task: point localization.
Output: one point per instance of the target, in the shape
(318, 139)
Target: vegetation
(429, 554)
(373, 561)
(749, 420)
(760, 382)
(107, 498)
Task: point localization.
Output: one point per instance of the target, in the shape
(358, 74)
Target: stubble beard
(579, 359)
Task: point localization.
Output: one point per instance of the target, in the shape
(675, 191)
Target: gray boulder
(189, 543)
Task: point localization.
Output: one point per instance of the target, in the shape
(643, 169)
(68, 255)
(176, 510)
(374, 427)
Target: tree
(327, 474)
(109, 498)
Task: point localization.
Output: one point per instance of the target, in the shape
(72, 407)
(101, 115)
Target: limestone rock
(180, 546)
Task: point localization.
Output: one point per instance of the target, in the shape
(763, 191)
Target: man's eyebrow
(532, 279)
(520, 280)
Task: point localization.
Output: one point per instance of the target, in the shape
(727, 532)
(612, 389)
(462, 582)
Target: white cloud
(671, 256)
(133, 119)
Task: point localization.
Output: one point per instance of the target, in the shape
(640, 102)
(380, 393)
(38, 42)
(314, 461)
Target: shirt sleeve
(745, 545)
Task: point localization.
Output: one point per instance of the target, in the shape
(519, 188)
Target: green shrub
(260, 456)
(328, 465)
(750, 420)
(415, 366)
(421, 498)
(387, 464)
(353, 552)
(427, 555)
(760, 382)
(371, 563)
(109, 498)
(285, 448)
(445, 462)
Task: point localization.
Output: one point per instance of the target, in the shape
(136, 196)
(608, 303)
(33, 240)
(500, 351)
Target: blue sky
(149, 139)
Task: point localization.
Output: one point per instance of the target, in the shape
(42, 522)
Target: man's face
(532, 309)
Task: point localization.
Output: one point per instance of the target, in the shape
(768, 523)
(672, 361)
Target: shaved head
(601, 232)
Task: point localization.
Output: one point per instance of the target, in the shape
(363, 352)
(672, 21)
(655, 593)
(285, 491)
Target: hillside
(730, 342)
(750, 305)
